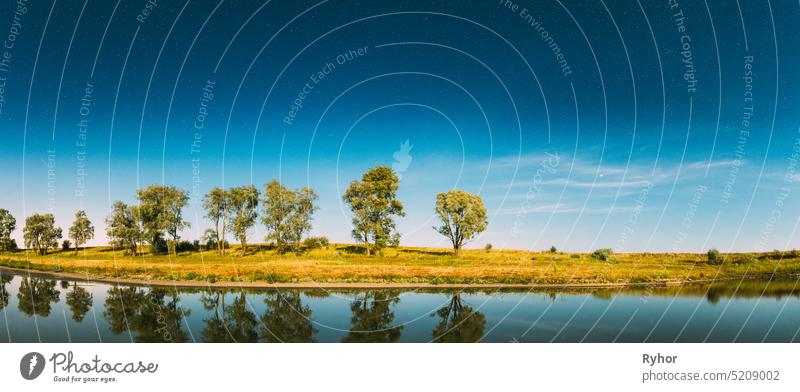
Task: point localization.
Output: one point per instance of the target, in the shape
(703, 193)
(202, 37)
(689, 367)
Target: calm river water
(34, 309)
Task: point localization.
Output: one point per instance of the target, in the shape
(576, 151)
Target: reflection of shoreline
(178, 315)
(366, 285)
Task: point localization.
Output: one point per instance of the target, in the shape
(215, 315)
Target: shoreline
(85, 277)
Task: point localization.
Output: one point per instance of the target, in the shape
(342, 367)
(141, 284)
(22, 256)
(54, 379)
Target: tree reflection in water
(459, 323)
(215, 330)
(151, 314)
(286, 319)
(79, 301)
(4, 280)
(36, 296)
(232, 323)
(372, 318)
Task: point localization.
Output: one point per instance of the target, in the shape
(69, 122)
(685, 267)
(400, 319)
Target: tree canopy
(122, 227)
(7, 226)
(287, 213)
(463, 216)
(243, 209)
(41, 233)
(81, 230)
(373, 201)
(160, 211)
(215, 203)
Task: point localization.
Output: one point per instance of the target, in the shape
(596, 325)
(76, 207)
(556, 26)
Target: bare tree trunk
(216, 234)
(222, 243)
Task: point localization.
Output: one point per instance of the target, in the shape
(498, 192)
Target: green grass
(343, 263)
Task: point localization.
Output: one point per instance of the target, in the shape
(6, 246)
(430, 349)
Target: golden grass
(344, 263)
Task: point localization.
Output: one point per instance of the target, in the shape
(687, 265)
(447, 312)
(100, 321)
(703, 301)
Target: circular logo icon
(31, 365)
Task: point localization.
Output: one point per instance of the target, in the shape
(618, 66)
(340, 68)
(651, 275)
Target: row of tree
(40, 232)
(156, 219)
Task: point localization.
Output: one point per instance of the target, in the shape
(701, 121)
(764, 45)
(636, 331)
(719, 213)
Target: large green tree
(243, 209)
(287, 213)
(215, 203)
(463, 216)
(123, 227)
(81, 230)
(373, 201)
(300, 222)
(41, 232)
(7, 226)
(160, 209)
(278, 204)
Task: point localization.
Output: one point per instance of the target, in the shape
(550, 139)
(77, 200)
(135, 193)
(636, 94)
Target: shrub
(714, 257)
(186, 246)
(603, 254)
(159, 246)
(776, 255)
(744, 258)
(211, 244)
(574, 256)
(553, 249)
(66, 245)
(488, 247)
(316, 242)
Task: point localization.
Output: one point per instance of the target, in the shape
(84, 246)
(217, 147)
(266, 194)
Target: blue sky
(582, 125)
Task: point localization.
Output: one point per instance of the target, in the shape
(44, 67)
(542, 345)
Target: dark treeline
(156, 219)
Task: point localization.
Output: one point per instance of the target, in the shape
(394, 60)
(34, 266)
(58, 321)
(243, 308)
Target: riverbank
(343, 266)
(73, 276)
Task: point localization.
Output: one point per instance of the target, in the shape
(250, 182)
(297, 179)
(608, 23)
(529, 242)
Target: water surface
(37, 309)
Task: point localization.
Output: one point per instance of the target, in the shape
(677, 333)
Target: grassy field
(341, 263)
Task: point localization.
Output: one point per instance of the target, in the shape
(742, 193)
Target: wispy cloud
(561, 208)
(586, 174)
